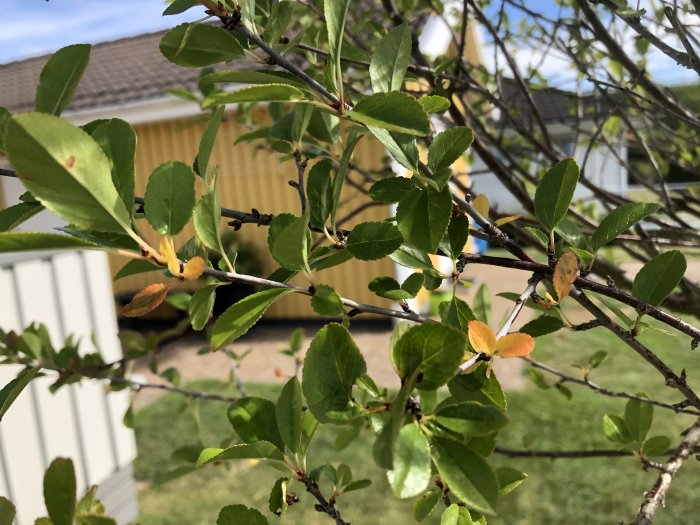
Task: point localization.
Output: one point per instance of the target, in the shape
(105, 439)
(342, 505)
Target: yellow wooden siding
(247, 179)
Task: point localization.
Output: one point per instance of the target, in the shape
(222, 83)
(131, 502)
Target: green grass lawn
(557, 492)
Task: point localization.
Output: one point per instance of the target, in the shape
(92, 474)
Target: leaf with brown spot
(70, 162)
(146, 300)
(565, 274)
(194, 268)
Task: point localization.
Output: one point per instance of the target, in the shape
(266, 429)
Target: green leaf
(251, 77)
(571, 233)
(319, 192)
(413, 283)
(199, 45)
(390, 190)
(65, 169)
(326, 257)
(477, 387)
(456, 312)
(4, 118)
(24, 242)
(432, 351)
(332, 366)
(425, 505)
(597, 359)
(241, 316)
(638, 418)
(134, 267)
(335, 13)
(289, 415)
(455, 237)
(262, 93)
(339, 179)
(470, 418)
(326, 300)
(118, 141)
(390, 60)
(620, 220)
(422, 217)
(278, 21)
(180, 6)
(277, 503)
(169, 198)
(253, 419)
(409, 257)
(370, 241)
(509, 479)
(202, 305)
(411, 467)
(15, 215)
(206, 143)
(259, 450)
(543, 325)
(402, 147)
(358, 484)
(7, 512)
(481, 305)
(309, 424)
(207, 219)
(555, 192)
(448, 146)
(60, 491)
(434, 104)
(288, 239)
(615, 429)
(14, 388)
(60, 78)
(469, 477)
(392, 111)
(389, 288)
(659, 277)
(240, 515)
(456, 515)
(302, 117)
(656, 446)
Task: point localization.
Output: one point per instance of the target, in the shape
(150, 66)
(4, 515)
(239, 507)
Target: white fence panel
(71, 294)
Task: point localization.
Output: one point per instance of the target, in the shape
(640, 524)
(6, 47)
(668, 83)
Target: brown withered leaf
(146, 300)
(565, 274)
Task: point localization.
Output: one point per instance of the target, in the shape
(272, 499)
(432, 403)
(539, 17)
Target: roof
(554, 105)
(120, 72)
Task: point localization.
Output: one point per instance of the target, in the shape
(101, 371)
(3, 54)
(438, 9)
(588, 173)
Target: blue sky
(36, 27)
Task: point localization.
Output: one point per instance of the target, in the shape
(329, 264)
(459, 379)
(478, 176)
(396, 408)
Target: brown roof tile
(122, 71)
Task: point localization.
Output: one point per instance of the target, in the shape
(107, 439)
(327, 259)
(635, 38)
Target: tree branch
(327, 506)
(657, 494)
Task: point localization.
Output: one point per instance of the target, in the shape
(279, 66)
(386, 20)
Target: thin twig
(301, 168)
(326, 506)
(564, 378)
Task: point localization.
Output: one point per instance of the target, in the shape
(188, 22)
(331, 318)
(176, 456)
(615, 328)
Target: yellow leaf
(167, 252)
(506, 220)
(194, 268)
(481, 204)
(565, 274)
(515, 345)
(482, 338)
(146, 300)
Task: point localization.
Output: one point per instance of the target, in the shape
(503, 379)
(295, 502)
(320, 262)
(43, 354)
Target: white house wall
(602, 169)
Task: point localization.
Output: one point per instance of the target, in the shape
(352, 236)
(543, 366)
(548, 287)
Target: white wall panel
(38, 303)
(89, 396)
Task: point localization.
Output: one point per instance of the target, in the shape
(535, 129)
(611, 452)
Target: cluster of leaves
(60, 492)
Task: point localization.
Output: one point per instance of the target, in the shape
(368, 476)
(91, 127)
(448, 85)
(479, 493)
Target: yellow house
(129, 79)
